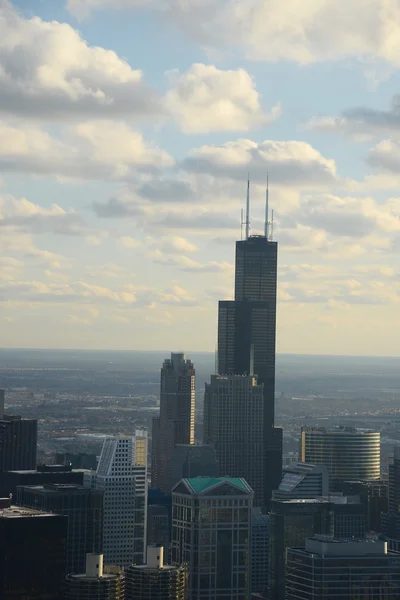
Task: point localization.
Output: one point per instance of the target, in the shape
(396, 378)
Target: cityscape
(196, 405)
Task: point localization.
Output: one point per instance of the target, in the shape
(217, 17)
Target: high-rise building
(84, 509)
(10, 480)
(259, 552)
(291, 522)
(329, 568)
(211, 533)
(233, 423)
(391, 517)
(349, 515)
(32, 553)
(122, 475)
(348, 453)
(374, 497)
(193, 460)
(302, 480)
(18, 442)
(247, 336)
(96, 583)
(156, 580)
(159, 518)
(2, 399)
(175, 425)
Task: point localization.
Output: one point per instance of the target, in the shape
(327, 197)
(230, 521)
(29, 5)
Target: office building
(156, 580)
(44, 474)
(291, 522)
(349, 515)
(84, 509)
(329, 568)
(233, 423)
(374, 497)
(122, 475)
(175, 425)
(302, 480)
(247, 336)
(159, 518)
(2, 400)
(259, 552)
(18, 442)
(32, 553)
(211, 533)
(96, 583)
(193, 460)
(391, 517)
(81, 460)
(348, 453)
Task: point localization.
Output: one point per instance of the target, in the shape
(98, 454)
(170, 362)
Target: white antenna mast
(272, 225)
(248, 208)
(241, 224)
(266, 224)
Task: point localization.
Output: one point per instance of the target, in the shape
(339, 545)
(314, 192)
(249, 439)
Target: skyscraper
(18, 442)
(247, 336)
(303, 481)
(156, 580)
(211, 532)
(122, 475)
(329, 568)
(84, 509)
(32, 553)
(233, 423)
(259, 552)
(175, 425)
(348, 453)
(391, 517)
(95, 583)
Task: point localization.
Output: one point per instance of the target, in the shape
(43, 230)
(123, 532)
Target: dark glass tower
(247, 339)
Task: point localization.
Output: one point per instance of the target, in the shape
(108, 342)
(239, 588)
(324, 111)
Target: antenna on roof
(266, 224)
(241, 224)
(248, 208)
(272, 225)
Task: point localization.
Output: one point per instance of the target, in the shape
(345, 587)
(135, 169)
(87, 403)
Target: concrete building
(233, 423)
(32, 553)
(156, 580)
(348, 453)
(302, 480)
(84, 509)
(247, 338)
(122, 475)
(175, 425)
(96, 583)
(211, 533)
(259, 552)
(329, 568)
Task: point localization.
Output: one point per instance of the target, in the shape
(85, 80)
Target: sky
(127, 130)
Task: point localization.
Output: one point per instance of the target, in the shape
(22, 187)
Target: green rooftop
(200, 484)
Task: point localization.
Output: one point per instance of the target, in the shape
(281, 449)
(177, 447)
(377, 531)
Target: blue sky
(127, 128)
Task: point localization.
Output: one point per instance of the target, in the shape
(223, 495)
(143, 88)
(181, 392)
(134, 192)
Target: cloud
(174, 244)
(386, 156)
(48, 71)
(272, 30)
(187, 264)
(128, 242)
(207, 99)
(166, 190)
(89, 150)
(292, 163)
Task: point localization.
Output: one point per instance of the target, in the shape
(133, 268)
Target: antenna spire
(272, 225)
(248, 208)
(266, 210)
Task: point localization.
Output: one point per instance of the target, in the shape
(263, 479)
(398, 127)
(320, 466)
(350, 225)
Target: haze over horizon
(127, 130)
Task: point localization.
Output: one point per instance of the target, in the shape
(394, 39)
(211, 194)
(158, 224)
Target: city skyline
(127, 130)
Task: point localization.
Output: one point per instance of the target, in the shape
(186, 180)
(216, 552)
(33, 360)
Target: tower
(122, 475)
(96, 583)
(247, 336)
(175, 425)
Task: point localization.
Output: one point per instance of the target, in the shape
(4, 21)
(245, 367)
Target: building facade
(84, 509)
(329, 568)
(233, 423)
(302, 480)
(259, 552)
(348, 453)
(211, 533)
(96, 583)
(374, 496)
(175, 425)
(193, 460)
(156, 580)
(122, 476)
(32, 554)
(18, 442)
(10, 480)
(247, 339)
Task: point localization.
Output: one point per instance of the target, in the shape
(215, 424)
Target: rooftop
(20, 512)
(200, 484)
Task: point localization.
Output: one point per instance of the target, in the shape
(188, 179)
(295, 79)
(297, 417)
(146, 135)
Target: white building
(122, 474)
(303, 481)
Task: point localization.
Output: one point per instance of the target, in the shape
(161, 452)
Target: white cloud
(386, 156)
(303, 32)
(207, 99)
(128, 242)
(48, 71)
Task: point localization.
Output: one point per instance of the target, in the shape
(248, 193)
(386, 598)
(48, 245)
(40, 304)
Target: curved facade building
(349, 454)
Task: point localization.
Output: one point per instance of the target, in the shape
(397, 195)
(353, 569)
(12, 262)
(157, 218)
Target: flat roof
(20, 512)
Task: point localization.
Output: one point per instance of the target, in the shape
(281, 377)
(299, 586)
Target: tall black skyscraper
(247, 336)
